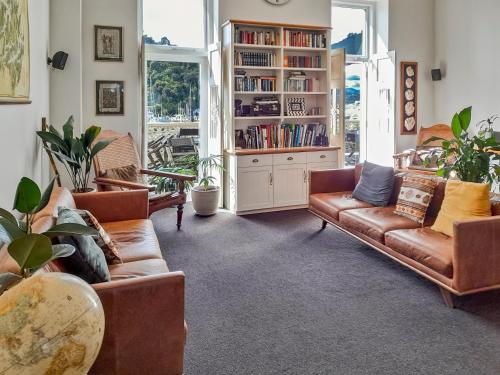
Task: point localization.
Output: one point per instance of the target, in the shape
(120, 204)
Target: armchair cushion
(146, 267)
(88, 261)
(376, 184)
(129, 173)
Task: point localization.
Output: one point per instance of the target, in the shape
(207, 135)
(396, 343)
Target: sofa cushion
(375, 222)
(138, 268)
(376, 184)
(135, 239)
(88, 261)
(60, 197)
(332, 203)
(415, 196)
(428, 247)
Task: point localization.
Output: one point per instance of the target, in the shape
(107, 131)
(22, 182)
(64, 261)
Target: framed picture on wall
(109, 98)
(14, 52)
(409, 81)
(108, 43)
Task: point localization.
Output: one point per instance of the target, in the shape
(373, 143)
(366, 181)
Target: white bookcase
(264, 179)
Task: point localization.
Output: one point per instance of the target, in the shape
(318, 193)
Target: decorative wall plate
(408, 89)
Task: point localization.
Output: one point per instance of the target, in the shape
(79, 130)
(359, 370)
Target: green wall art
(14, 52)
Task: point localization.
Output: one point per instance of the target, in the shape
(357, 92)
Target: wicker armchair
(122, 154)
(413, 159)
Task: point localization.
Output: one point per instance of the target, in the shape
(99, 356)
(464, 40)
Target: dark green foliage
(470, 157)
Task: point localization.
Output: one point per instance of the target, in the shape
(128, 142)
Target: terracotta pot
(50, 323)
(205, 202)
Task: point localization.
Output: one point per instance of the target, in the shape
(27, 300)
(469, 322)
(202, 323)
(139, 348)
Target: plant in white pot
(206, 195)
(74, 153)
(50, 323)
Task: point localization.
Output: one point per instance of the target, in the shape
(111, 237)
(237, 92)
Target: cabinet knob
(323, 156)
(271, 179)
(289, 158)
(255, 160)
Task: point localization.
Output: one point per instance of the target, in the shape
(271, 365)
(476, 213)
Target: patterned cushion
(127, 173)
(103, 240)
(415, 197)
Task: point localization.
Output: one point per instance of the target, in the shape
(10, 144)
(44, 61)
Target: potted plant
(468, 156)
(75, 153)
(206, 196)
(52, 312)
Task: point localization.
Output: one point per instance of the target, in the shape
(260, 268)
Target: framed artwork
(14, 52)
(409, 90)
(109, 98)
(295, 106)
(108, 43)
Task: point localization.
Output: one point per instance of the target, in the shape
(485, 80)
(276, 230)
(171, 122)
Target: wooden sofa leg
(323, 226)
(447, 297)
(180, 210)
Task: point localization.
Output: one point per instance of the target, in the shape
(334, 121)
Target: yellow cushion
(462, 200)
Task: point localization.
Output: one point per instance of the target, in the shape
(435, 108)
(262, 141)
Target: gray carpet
(271, 294)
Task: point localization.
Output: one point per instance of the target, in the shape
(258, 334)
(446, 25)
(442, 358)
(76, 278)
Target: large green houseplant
(75, 153)
(30, 250)
(471, 155)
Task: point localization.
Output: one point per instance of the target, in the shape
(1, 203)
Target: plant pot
(205, 202)
(87, 190)
(50, 323)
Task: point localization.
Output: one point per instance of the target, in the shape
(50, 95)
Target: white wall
(468, 51)
(306, 12)
(411, 35)
(20, 153)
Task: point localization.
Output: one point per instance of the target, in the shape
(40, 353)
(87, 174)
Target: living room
(249, 187)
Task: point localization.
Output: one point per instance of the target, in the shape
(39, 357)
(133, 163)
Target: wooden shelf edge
(275, 24)
(263, 151)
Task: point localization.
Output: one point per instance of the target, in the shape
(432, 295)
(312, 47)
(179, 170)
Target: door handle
(270, 179)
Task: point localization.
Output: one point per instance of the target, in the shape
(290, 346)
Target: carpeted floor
(271, 294)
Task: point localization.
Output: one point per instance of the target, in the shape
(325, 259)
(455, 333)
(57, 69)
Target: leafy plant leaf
(31, 251)
(53, 140)
(456, 126)
(28, 196)
(433, 139)
(7, 215)
(68, 129)
(99, 146)
(90, 135)
(62, 251)
(8, 280)
(44, 201)
(465, 118)
(70, 228)
(10, 230)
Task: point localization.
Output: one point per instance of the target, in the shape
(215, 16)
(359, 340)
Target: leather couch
(144, 302)
(467, 263)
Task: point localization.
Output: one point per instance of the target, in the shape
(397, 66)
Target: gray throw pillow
(375, 185)
(88, 261)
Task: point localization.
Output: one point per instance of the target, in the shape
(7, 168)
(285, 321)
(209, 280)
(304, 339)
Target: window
(175, 23)
(350, 31)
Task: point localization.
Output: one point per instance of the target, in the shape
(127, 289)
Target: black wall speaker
(436, 74)
(59, 60)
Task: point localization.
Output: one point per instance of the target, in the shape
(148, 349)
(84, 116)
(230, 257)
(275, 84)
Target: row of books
(302, 61)
(282, 136)
(304, 39)
(255, 59)
(267, 38)
(255, 83)
(299, 82)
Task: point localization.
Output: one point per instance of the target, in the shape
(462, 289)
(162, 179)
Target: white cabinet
(265, 182)
(255, 188)
(290, 185)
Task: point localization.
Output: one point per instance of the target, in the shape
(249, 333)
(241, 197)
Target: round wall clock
(277, 2)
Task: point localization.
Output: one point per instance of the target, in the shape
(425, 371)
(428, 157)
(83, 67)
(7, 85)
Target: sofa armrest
(476, 254)
(331, 181)
(144, 331)
(111, 206)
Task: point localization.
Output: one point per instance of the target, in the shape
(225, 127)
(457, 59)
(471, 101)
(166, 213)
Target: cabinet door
(255, 190)
(290, 185)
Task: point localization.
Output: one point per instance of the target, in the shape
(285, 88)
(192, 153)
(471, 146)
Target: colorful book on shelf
(304, 39)
(302, 61)
(260, 37)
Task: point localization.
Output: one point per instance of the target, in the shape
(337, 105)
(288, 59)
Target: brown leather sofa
(464, 264)
(144, 302)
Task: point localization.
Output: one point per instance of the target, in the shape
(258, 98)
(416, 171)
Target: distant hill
(353, 44)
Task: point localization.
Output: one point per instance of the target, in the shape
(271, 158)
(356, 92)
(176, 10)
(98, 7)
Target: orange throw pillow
(462, 200)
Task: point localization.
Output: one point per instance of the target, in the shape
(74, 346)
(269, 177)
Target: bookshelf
(270, 150)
